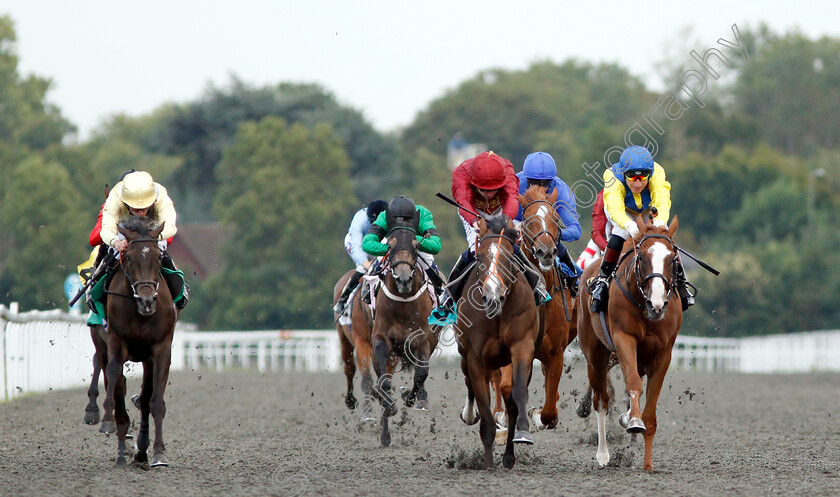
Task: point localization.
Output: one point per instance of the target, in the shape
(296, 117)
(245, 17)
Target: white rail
(45, 350)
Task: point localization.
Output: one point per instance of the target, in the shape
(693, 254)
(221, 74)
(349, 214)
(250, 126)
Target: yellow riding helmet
(138, 190)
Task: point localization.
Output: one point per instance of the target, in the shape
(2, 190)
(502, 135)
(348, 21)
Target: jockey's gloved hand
(633, 229)
(162, 244)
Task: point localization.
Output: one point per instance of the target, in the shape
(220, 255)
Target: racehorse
(642, 321)
(400, 326)
(354, 338)
(141, 323)
(540, 229)
(497, 325)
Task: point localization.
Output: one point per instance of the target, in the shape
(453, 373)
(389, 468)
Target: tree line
(283, 168)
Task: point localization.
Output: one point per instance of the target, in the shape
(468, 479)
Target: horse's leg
(421, 373)
(502, 390)
(162, 358)
(597, 371)
(522, 360)
(141, 457)
(92, 409)
(553, 371)
(113, 371)
(383, 383)
(625, 346)
(496, 385)
(654, 387)
(349, 368)
(363, 362)
(469, 414)
(479, 380)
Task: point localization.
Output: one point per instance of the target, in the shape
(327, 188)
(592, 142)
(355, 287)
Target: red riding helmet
(488, 171)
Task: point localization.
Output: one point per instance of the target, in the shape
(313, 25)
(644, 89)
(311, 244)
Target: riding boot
(600, 287)
(566, 259)
(436, 281)
(173, 281)
(445, 312)
(351, 285)
(686, 290)
(534, 277)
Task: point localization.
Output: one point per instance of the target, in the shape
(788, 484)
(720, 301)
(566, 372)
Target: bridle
(393, 265)
(137, 285)
(670, 285)
(493, 269)
(544, 229)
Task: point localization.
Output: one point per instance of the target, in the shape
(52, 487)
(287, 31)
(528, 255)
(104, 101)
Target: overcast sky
(388, 59)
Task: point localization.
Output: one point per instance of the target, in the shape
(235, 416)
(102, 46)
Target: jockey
(486, 183)
(633, 186)
(539, 170)
(403, 209)
(598, 243)
(359, 226)
(138, 195)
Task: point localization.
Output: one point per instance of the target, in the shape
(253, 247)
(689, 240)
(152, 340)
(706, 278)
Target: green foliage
(44, 236)
(284, 191)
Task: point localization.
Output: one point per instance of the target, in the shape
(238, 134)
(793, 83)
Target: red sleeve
(94, 238)
(510, 204)
(462, 189)
(599, 222)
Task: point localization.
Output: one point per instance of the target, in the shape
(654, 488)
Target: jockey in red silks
(598, 243)
(484, 184)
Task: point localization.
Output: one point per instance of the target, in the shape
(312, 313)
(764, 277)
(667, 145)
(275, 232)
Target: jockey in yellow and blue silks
(539, 169)
(403, 210)
(632, 187)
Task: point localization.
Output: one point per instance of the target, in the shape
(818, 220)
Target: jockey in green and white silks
(404, 209)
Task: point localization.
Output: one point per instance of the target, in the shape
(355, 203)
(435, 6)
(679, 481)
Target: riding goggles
(636, 176)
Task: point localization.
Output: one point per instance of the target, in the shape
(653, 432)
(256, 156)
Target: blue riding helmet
(636, 159)
(539, 165)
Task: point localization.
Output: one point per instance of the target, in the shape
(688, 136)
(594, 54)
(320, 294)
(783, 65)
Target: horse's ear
(126, 233)
(672, 228)
(641, 224)
(553, 197)
(392, 242)
(155, 233)
(107, 190)
(415, 243)
(522, 200)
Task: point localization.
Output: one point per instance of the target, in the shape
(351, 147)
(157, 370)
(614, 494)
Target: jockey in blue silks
(539, 169)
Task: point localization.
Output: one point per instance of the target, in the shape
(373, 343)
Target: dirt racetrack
(246, 433)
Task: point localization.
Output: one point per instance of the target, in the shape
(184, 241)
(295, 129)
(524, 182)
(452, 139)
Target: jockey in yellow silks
(631, 187)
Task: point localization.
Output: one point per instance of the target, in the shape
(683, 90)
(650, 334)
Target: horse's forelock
(141, 225)
(535, 192)
(496, 223)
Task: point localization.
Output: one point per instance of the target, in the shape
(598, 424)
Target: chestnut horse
(401, 325)
(497, 326)
(642, 321)
(141, 322)
(356, 351)
(540, 229)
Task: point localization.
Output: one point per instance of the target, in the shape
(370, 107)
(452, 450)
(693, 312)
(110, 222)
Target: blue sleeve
(566, 207)
(358, 227)
(523, 185)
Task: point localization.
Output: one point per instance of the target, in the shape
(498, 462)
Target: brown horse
(642, 321)
(497, 326)
(540, 229)
(401, 326)
(356, 351)
(141, 323)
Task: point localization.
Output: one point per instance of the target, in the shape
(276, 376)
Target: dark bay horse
(141, 322)
(497, 326)
(356, 351)
(642, 321)
(540, 229)
(401, 325)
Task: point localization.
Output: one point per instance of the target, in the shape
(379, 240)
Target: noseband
(670, 285)
(137, 285)
(533, 239)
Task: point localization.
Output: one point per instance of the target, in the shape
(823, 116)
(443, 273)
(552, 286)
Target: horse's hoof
(624, 420)
(635, 426)
(159, 460)
(501, 436)
(534, 415)
(351, 402)
(121, 461)
(508, 461)
(523, 437)
(108, 427)
(474, 420)
(135, 399)
(501, 419)
(91, 417)
(391, 410)
(422, 405)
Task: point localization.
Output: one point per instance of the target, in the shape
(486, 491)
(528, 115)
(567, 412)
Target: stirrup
(541, 296)
(444, 315)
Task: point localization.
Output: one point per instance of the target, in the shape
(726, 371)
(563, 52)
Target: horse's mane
(141, 225)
